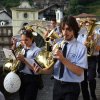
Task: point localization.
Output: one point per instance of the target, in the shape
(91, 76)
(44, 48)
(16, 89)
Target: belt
(66, 83)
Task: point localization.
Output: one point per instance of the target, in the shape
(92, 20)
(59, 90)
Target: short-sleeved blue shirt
(31, 54)
(76, 54)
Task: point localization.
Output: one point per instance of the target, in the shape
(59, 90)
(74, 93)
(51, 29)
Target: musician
(90, 73)
(68, 70)
(55, 26)
(29, 80)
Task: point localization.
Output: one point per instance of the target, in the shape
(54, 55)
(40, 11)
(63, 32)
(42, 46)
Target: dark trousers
(98, 69)
(84, 87)
(66, 90)
(29, 88)
(89, 79)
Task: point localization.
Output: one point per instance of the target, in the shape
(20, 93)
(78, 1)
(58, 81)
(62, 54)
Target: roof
(82, 15)
(4, 11)
(42, 10)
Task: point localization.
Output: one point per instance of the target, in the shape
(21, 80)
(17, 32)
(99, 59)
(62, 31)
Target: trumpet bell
(44, 59)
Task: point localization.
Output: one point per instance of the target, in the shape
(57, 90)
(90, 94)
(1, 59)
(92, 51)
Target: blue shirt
(83, 33)
(31, 54)
(82, 37)
(76, 54)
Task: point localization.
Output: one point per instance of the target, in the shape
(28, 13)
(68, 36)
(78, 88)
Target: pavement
(46, 92)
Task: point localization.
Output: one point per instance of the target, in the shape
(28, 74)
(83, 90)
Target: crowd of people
(73, 70)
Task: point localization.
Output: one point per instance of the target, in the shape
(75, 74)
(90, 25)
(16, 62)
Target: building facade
(5, 29)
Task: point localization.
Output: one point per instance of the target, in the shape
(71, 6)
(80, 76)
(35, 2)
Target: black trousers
(89, 79)
(84, 87)
(65, 90)
(29, 87)
(98, 59)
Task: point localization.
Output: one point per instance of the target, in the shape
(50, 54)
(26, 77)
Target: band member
(29, 80)
(90, 73)
(98, 69)
(53, 26)
(69, 67)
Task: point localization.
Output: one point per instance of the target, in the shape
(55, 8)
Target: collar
(73, 40)
(32, 46)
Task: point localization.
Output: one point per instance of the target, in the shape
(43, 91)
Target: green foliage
(74, 2)
(94, 8)
(76, 8)
(11, 3)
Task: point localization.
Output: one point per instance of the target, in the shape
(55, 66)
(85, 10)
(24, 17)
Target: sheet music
(9, 54)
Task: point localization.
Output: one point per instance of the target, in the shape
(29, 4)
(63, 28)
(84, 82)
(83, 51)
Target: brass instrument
(45, 58)
(12, 81)
(13, 64)
(89, 25)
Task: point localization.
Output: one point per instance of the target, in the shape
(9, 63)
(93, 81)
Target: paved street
(46, 92)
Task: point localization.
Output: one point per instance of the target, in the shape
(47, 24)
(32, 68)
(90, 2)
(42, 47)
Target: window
(9, 32)
(4, 31)
(25, 15)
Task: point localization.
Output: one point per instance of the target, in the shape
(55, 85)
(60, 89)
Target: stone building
(5, 28)
(25, 13)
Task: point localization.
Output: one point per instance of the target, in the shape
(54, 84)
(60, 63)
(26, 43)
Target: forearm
(72, 67)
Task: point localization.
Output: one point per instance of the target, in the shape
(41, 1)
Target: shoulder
(80, 45)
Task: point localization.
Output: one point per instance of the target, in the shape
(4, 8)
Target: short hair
(72, 24)
(53, 19)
